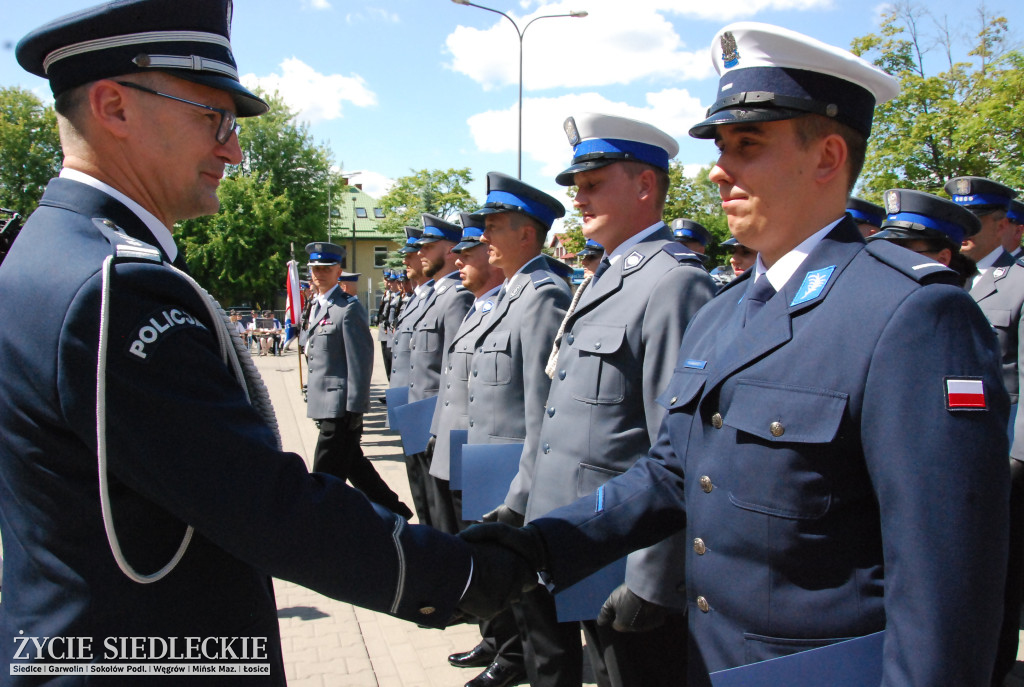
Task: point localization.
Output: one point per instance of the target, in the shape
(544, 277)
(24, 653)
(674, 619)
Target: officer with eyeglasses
(143, 489)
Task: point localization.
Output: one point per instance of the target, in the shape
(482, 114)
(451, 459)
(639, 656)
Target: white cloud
(317, 4)
(672, 110)
(618, 43)
(315, 96)
(373, 183)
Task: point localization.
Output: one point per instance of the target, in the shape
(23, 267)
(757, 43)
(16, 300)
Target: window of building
(378, 213)
(380, 256)
(361, 213)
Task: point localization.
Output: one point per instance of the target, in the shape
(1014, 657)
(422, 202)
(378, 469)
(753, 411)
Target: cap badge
(892, 202)
(318, 248)
(571, 131)
(632, 260)
(963, 187)
(813, 284)
(730, 55)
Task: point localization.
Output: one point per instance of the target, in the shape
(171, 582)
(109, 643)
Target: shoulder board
(915, 266)
(541, 277)
(124, 246)
(1020, 261)
(682, 254)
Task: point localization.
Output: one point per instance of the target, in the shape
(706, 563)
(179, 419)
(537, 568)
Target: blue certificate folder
(396, 397)
(583, 600)
(853, 663)
(458, 440)
(413, 423)
(487, 470)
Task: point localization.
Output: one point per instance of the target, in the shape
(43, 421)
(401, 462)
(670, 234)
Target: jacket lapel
(809, 286)
(612, 280)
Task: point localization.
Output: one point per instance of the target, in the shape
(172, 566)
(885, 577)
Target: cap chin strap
(234, 355)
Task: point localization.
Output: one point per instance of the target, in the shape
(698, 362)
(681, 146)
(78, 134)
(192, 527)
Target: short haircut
(540, 232)
(814, 127)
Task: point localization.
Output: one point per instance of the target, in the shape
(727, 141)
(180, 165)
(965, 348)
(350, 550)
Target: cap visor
(465, 245)
(706, 129)
(567, 177)
(247, 103)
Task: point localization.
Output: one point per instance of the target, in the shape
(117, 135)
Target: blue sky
(395, 85)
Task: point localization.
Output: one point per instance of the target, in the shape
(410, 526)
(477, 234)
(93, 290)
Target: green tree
(276, 199)
(30, 153)
(963, 120)
(696, 198)
(438, 192)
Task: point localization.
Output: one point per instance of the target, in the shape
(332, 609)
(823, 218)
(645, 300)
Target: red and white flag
(293, 309)
(967, 394)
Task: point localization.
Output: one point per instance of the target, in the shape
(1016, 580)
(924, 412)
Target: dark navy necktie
(601, 269)
(756, 296)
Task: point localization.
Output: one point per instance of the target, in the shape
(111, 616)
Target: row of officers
(492, 327)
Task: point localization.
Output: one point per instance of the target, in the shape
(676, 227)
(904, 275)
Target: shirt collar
(156, 227)
(324, 298)
(788, 264)
(636, 238)
(424, 288)
(989, 259)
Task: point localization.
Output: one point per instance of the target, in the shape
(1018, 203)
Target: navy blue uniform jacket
(826, 489)
(184, 447)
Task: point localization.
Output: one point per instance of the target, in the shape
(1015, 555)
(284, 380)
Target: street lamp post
(579, 14)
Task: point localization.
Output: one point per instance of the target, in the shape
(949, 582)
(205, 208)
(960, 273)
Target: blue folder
(583, 600)
(396, 397)
(458, 440)
(853, 663)
(413, 423)
(487, 470)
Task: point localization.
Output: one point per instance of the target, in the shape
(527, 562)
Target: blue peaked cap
(508, 194)
(919, 215)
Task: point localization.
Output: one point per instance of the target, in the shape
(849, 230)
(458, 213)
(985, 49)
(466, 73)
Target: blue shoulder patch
(916, 266)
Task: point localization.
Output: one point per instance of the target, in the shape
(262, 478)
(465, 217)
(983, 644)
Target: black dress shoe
(499, 675)
(477, 657)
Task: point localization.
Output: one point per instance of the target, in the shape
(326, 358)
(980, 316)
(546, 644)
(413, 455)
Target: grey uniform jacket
(617, 354)
(433, 328)
(339, 350)
(1000, 295)
(453, 394)
(383, 312)
(507, 383)
(401, 339)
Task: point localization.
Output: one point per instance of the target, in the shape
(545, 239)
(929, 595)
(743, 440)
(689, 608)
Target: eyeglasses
(228, 120)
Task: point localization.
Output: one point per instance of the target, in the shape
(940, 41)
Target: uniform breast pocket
(683, 389)
(493, 361)
(591, 477)
(600, 377)
(459, 362)
(426, 338)
(781, 461)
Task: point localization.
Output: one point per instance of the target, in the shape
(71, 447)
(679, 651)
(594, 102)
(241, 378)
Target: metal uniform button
(569, 338)
(699, 547)
(705, 484)
(427, 610)
(776, 429)
(672, 402)
(561, 374)
(474, 373)
(597, 345)
(547, 448)
(551, 411)
(716, 421)
(703, 604)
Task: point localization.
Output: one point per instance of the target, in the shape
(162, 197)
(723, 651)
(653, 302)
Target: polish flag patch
(965, 394)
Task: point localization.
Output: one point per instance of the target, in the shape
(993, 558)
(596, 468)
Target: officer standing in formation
(401, 336)
(590, 257)
(691, 234)
(141, 492)
(826, 409)
(383, 312)
(999, 291)
(339, 352)
(615, 355)
(507, 382)
(482, 279)
(1015, 215)
(868, 216)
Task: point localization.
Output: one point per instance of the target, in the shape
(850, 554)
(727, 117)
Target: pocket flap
(685, 385)
(999, 318)
(496, 341)
(783, 413)
(600, 339)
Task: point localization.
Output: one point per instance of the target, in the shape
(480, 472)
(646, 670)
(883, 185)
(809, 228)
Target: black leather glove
(500, 576)
(525, 541)
(627, 612)
(352, 421)
(504, 514)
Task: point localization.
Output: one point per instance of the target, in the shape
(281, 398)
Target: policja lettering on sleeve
(150, 332)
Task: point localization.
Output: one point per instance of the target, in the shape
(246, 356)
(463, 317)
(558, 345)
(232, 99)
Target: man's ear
(110, 108)
(832, 157)
(647, 184)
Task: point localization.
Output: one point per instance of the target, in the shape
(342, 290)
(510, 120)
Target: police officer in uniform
(691, 234)
(401, 337)
(999, 292)
(507, 382)
(824, 412)
(615, 355)
(387, 301)
(1015, 215)
(590, 257)
(143, 492)
(868, 216)
(339, 352)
